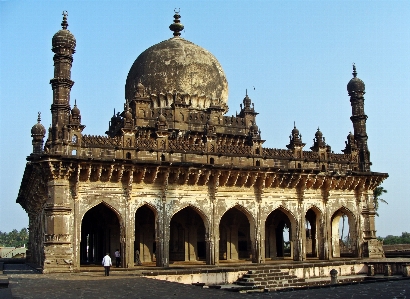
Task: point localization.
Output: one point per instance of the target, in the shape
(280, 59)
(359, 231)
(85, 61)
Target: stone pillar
(191, 243)
(370, 270)
(129, 242)
(406, 270)
(210, 251)
(372, 248)
(58, 248)
(261, 241)
(232, 247)
(162, 238)
(387, 270)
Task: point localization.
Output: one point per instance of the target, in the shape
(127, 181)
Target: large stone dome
(178, 65)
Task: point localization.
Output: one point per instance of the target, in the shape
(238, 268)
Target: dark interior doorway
(100, 233)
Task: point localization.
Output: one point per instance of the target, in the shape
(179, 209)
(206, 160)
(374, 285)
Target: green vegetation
(377, 193)
(392, 240)
(14, 238)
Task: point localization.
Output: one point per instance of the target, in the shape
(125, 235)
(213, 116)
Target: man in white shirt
(117, 258)
(106, 262)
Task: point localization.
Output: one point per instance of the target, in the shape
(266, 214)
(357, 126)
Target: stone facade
(178, 180)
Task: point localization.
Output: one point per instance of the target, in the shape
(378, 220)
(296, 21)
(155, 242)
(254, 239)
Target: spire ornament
(177, 27)
(64, 23)
(354, 70)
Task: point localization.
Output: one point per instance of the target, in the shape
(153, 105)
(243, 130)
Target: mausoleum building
(178, 179)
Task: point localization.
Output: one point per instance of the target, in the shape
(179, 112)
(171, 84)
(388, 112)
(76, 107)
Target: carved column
(372, 248)
(162, 235)
(327, 234)
(212, 254)
(59, 228)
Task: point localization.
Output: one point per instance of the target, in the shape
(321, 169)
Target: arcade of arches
(190, 236)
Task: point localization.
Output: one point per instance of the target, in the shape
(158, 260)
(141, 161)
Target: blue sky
(294, 57)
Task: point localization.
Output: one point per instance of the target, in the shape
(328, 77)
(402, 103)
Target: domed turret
(75, 111)
(178, 65)
(38, 129)
(355, 84)
(247, 101)
(295, 139)
(318, 134)
(64, 38)
(37, 133)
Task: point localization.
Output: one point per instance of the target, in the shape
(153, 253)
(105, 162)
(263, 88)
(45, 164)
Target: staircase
(269, 279)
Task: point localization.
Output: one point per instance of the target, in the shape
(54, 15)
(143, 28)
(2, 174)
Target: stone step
(4, 281)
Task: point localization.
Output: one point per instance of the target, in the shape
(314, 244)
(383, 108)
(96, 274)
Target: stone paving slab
(28, 284)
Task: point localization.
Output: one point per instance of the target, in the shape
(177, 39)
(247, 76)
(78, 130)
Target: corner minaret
(37, 133)
(63, 45)
(356, 90)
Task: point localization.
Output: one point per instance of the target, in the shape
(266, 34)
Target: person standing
(106, 262)
(117, 258)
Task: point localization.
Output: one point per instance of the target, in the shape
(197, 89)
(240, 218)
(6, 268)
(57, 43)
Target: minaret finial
(246, 91)
(64, 23)
(177, 27)
(39, 117)
(294, 124)
(354, 70)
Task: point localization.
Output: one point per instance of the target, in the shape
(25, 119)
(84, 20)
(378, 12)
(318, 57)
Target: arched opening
(344, 239)
(278, 235)
(211, 161)
(187, 236)
(144, 235)
(100, 233)
(258, 163)
(234, 236)
(312, 233)
(128, 155)
(162, 157)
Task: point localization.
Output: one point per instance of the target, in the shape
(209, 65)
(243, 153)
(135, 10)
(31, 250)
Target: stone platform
(26, 282)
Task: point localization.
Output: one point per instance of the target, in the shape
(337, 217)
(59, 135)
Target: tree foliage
(393, 240)
(14, 238)
(377, 193)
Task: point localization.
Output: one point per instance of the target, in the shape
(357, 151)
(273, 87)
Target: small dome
(295, 131)
(38, 129)
(247, 101)
(355, 84)
(318, 133)
(64, 38)
(75, 111)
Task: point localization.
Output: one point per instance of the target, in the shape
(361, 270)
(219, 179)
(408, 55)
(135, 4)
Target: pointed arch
(313, 232)
(237, 234)
(102, 230)
(280, 233)
(200, 212)
(146, 216)
(343, 246)
(189, 227)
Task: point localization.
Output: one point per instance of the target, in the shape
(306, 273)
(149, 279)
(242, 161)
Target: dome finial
(354, 70)
(39, 117)
(64, 23)
(177, 27)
